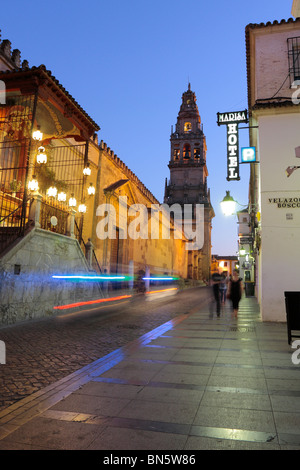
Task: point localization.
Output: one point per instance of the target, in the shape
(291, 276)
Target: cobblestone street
(43, 351)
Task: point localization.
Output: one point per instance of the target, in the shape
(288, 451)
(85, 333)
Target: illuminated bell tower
(188, 177)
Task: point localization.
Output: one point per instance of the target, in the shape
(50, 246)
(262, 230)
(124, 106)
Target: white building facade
(273, 72)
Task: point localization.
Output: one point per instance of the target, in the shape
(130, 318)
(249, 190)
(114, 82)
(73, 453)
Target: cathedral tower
(188, 177)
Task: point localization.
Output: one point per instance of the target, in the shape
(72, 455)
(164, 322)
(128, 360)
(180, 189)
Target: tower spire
(188, 176)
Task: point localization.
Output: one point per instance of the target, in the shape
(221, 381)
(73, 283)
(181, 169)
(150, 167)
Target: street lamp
(228, 205)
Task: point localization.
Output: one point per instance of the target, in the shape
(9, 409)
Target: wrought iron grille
(15, 130)
(294, 58)
(64, 170)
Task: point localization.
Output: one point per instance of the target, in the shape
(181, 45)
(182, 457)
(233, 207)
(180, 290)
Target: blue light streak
(90, 278)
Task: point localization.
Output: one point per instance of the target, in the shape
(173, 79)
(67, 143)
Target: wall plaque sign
(285, 202)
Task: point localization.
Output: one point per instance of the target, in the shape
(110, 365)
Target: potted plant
(15, 186)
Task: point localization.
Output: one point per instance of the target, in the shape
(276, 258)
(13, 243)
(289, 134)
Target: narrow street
(43, 351)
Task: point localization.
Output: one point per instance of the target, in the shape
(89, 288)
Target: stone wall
(27, 289)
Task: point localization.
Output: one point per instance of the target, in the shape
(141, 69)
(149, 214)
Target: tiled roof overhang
(32, 78)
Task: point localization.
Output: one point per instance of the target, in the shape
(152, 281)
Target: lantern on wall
(41, 156)
(37, 135)
(87, 170)
(72, 201)
(52, 191)
(33, 184)
(62, 196)
(91, 189)
(82, 208)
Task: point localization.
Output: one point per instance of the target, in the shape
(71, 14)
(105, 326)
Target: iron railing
(13, 224)
(53, 216)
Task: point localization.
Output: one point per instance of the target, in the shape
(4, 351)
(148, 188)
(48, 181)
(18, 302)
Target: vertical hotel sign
(232, 120)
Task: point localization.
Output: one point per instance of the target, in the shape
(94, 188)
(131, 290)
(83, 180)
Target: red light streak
(162, 290)
(90, 302)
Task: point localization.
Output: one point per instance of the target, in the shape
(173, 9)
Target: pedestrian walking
(216, 280)
(235, 290)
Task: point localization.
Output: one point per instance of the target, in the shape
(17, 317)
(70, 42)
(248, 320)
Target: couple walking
(234, 290)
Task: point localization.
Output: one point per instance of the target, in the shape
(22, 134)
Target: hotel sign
(233, 152)
(228, 118)
(232, 120)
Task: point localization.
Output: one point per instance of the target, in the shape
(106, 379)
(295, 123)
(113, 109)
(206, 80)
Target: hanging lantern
(33, 184)
(72, 201)
(87, 170)
(62, 196)
(91, 189)
(41, 156)
(228, 204)
(37, 135)
(52, 191)
(82, 208)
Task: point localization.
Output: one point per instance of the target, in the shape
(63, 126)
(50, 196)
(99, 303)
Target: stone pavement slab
(197, 382)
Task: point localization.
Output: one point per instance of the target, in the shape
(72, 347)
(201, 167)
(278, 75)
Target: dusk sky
(127, 64)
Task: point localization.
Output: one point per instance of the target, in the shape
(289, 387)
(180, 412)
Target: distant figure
(140, 286)
(235, 291)
(216, 279)
(223, 287)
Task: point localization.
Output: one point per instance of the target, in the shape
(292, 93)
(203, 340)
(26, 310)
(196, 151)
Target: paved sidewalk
(196, 382)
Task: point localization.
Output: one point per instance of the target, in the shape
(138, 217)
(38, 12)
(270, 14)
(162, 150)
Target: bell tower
(188, 177)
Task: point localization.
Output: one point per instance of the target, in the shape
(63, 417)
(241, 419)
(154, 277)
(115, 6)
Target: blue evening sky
(127, 64)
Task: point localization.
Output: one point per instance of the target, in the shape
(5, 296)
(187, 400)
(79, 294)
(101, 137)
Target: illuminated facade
(188, 178)
(273, 70)
(55, 179)
(223, 264)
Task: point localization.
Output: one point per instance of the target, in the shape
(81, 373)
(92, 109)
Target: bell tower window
(187, 127)
(196, 152)
(186, 151)
(176, 154)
